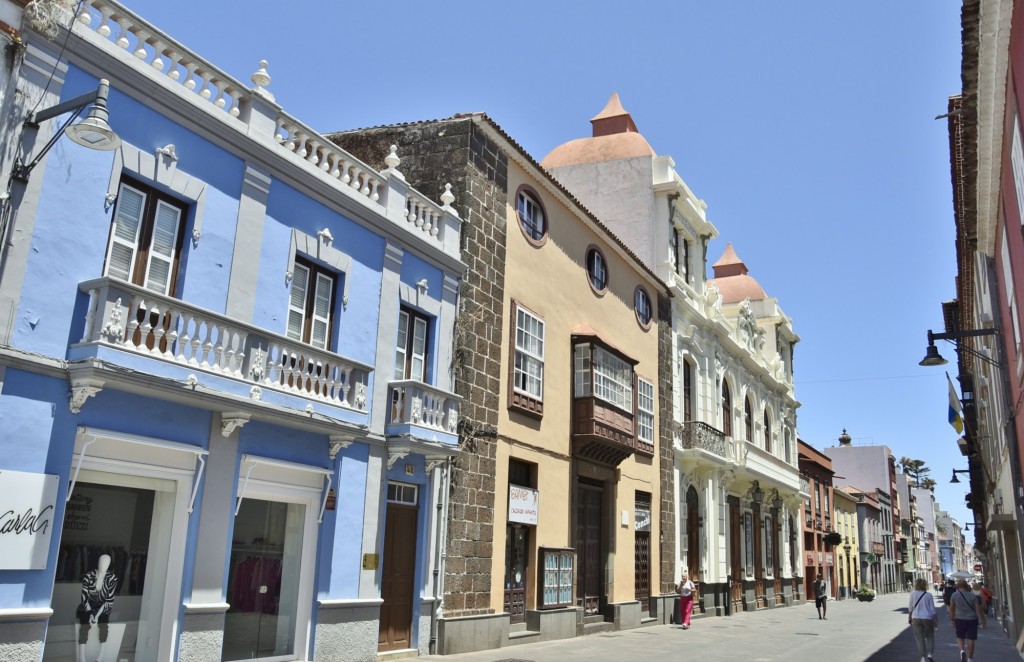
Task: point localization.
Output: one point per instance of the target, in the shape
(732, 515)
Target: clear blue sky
(807, 127)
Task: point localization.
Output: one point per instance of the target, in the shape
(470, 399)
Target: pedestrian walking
(820, 597)
(986, 595)
(948, 591)
(923, 618)
(685, 589)
(966, 615)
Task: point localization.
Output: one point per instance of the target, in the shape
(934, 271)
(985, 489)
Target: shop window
(145, 238)
(311, 304)
(557, 578)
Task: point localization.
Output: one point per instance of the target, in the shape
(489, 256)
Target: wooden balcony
(601, 432)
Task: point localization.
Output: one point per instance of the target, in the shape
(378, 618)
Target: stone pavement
(854, 632)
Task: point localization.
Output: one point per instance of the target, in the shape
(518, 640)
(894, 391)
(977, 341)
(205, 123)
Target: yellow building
(555, 514)
(847, 557)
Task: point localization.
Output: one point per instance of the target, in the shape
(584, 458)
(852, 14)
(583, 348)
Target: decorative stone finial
(845, 439)
(392, 162)
(261, 79)
(447, 198)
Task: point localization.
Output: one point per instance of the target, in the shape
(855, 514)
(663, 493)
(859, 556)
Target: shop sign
(27, 505)
(643, 519)
(828, 558)
(523, 505)
(810, 558)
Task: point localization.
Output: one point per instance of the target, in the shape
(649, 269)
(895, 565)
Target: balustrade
(422, 405)
(134, 35)
(700, 435)
(139, 321)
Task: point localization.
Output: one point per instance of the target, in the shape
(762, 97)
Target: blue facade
(231, 419)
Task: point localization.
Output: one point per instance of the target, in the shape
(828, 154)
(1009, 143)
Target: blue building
(225, 358)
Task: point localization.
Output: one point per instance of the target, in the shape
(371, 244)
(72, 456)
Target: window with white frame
(1017, 163)
(311, 304)
(645, 411)
(529, 363)
(145, 238)
(603, 375)
(1011, 299)
(411, 348)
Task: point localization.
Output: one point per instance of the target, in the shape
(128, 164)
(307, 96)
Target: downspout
(440, 553)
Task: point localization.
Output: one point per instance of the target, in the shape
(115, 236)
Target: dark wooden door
(642, 569)
(589, 516)
(692, 534)
(736, 557)
(759, 592)
(515, 572)
(397, 576)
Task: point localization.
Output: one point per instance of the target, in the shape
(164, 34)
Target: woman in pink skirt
(686, 589)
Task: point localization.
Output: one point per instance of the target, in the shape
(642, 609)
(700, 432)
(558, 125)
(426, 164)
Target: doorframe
(309, 497)
(137, 458)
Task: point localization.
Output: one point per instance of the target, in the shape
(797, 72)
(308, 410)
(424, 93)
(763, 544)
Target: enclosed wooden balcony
(601, 432)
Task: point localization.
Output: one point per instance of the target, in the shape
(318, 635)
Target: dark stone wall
(456, 151)
(666, 452)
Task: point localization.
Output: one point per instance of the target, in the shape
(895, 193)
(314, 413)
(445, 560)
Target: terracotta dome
(614, 137)
(732, 279)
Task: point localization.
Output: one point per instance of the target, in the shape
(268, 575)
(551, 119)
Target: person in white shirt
(686, 589)
(922, 616)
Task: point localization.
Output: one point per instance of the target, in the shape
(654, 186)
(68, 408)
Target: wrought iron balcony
(700, 435)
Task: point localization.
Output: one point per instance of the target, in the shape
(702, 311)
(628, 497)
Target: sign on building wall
(523, 505)
(27, 505)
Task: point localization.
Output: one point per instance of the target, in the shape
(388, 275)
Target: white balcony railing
(136, 320)
(418, 404)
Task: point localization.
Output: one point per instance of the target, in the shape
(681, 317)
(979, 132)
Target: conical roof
(733, 281)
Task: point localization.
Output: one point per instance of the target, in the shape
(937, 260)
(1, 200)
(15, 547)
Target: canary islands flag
(956, 413)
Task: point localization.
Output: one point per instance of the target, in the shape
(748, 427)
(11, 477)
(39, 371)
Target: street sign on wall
(28, 502)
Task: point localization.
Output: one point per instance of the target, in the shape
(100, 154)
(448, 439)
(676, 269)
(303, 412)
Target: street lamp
(932, 356)
(958, 471)
(93, 132)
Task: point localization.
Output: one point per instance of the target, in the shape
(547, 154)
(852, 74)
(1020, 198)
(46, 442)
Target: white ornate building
(733, 480)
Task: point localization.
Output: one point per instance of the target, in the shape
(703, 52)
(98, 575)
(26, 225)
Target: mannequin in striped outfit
(98, 588)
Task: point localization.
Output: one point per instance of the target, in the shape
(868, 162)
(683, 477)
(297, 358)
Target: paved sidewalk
(854, 632)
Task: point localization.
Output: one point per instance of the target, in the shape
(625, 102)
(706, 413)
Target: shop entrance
(735, 556)
(263, 580)
(589, 552)
(112, 564)
(516, 537)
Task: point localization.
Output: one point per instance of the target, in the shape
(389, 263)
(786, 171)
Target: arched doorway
(693, 541)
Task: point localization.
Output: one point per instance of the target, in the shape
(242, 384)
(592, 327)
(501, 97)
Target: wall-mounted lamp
(958, 471)
(756, 493)
(932, 356)
(93, 132)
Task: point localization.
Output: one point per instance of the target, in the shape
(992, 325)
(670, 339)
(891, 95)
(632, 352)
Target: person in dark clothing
(948, 591)
(821, 597)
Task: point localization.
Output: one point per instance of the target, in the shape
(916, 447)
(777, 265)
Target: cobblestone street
(854, 632)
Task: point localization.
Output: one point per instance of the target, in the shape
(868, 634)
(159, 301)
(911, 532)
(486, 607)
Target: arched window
(748, 420)
(788, 451)
(767, 432)
(687, 391)
(726, 409)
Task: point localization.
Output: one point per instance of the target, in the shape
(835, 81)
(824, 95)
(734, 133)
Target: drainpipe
(440, 552)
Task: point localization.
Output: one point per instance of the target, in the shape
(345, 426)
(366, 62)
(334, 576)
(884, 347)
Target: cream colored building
(735, 489)
(847, 552)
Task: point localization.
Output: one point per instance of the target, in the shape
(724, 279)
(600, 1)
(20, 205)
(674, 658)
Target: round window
(642, 304)
(532, 220)
(597, 270)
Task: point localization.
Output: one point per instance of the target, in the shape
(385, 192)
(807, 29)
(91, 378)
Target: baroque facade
(225, 356)
(735, 490)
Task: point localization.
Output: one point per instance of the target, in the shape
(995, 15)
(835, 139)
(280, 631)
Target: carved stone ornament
(109, 201)
(416, 410)
(256, 393)
(336, 443)
(229, 422)
(452, 420)
(360, 396)
(395, 456)
(113, 330)
(257, 364)
(435, 463)
(82, 391)
(167, 152)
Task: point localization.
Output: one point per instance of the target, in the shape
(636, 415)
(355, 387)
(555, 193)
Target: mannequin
(98, 587)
